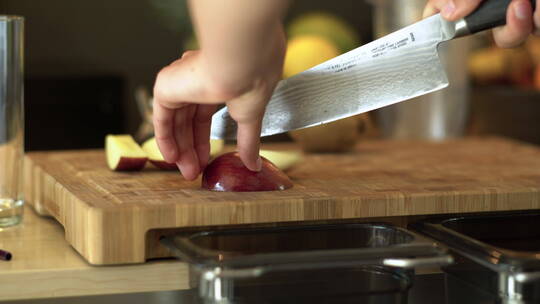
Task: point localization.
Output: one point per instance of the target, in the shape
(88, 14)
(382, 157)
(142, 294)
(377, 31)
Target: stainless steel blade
(394, 68)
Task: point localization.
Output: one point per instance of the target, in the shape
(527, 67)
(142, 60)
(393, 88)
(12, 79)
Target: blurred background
(90, 66)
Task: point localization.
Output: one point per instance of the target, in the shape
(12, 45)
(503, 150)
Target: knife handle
(489, 14)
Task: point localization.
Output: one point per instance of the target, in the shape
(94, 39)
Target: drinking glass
(11, 120)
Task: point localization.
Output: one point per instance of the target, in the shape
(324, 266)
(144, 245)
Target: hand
(520, 20)
(186, 94)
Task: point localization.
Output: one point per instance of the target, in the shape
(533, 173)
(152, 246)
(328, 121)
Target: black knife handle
(489, 14)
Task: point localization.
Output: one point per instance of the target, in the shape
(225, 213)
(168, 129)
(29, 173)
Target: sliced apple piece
(156, 158)
(124, 154)
(216, 146)
(228, 173)
(284, 160)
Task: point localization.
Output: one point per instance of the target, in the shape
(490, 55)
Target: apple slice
(124, 154)
(216, 146)
(284, 160)
(228, 173)
(156, 158)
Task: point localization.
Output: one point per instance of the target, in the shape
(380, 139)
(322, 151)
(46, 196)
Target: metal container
(436, 116)
(497, 257)
(347, 263)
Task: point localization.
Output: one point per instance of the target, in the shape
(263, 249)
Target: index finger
(248, 141)
(163, 119)
(519, 24)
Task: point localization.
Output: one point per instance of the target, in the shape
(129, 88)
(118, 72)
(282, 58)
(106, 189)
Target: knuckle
(162, 137)
(161, 89)
(221, 90)
(161, 120)
(184, 150)
(187, 53)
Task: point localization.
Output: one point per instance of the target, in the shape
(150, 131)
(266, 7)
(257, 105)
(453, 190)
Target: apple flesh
(156, 158)
(124, 154)
(216, 146)
(284, 160)
(228, 173)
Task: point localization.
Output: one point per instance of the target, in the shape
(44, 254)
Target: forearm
(237, 37)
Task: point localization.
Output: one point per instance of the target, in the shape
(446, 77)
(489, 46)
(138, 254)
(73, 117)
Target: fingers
(248, 141)
(536, 19)
(520, 21)
(163, 119)
(187, 161)
(456, 9)
(519, 24)
(201, 132)
(248, 112)
(430, 9)
(183, 136)
(451, 9)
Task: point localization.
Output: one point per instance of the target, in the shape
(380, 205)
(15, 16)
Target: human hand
(520, 19)
(186, 94)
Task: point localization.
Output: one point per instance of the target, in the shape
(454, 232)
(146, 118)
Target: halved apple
(228, 173)
(124, 154)
(156, 158)
(284, 160)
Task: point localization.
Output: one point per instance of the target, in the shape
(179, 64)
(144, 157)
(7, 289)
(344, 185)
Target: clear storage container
(344, 263)
(497, 257)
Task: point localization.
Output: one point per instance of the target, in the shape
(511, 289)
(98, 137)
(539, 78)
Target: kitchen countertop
(47, 266)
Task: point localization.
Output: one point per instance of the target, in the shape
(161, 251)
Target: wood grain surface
(112, 217)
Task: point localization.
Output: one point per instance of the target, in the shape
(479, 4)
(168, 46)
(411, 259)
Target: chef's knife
(400, 66)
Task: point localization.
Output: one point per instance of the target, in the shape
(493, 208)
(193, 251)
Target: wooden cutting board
(115, 217)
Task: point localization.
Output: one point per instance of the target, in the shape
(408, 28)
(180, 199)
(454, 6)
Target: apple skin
(151, 149)
(161, 164)
(131, 164)
(156, 158)
(122, 153)
(228, 173)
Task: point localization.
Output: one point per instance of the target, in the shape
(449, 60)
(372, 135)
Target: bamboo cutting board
(116, 217)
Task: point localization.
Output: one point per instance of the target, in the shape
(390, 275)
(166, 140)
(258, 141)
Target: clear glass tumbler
(11, 120)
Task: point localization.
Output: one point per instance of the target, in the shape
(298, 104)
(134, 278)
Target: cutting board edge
(305, 209)
(98, 251)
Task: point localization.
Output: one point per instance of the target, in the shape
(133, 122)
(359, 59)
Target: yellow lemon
(326, 25)
(304, 52)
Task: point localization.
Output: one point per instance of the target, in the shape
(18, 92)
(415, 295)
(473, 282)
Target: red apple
(228, 173)
(124, 154)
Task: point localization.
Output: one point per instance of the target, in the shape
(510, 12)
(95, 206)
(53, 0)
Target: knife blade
(397, 67)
